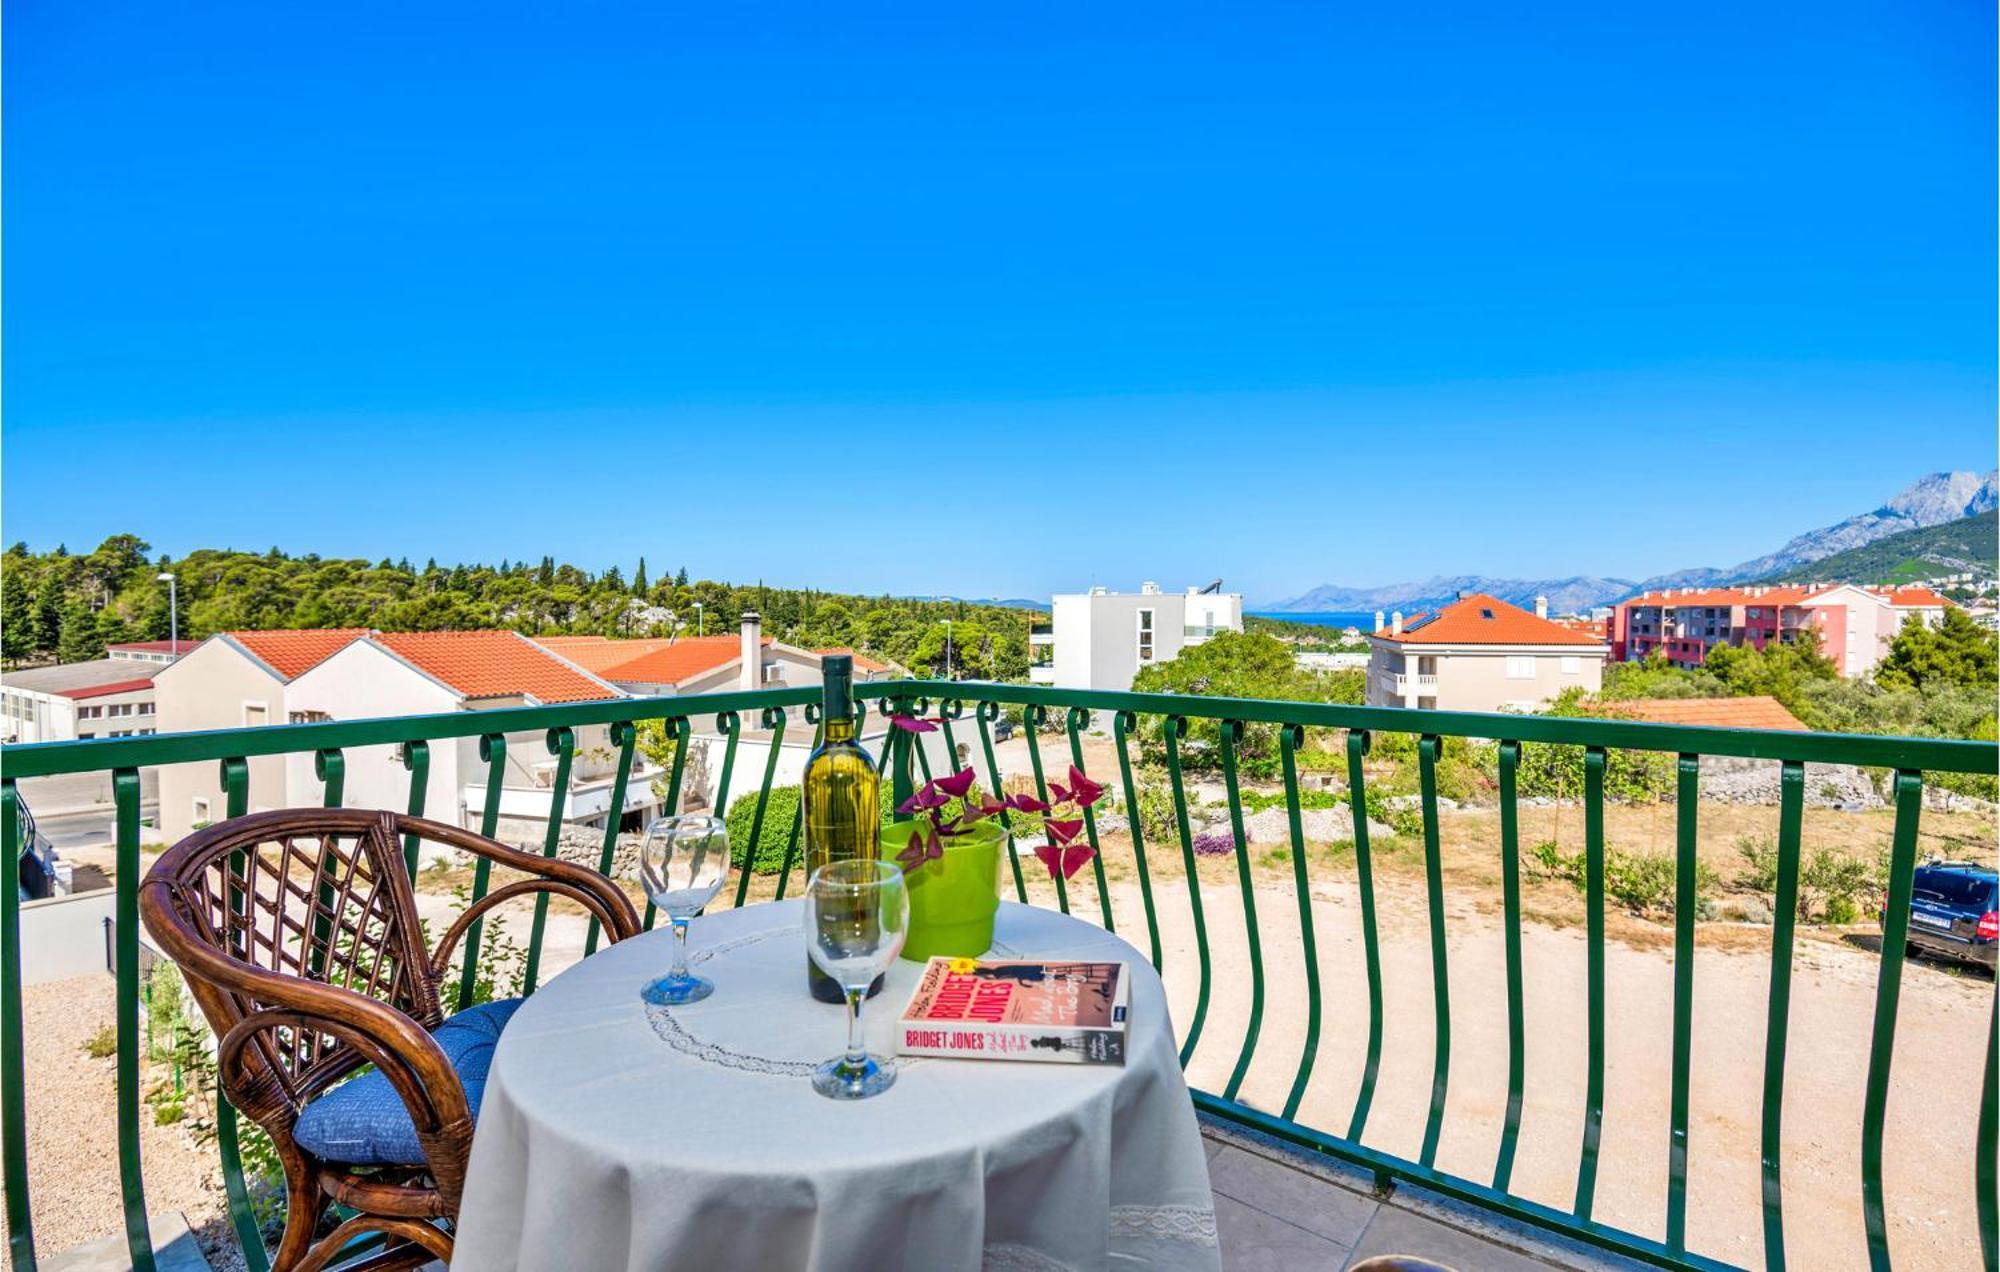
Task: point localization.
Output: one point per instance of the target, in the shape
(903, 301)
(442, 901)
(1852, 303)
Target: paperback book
(1066, 1013)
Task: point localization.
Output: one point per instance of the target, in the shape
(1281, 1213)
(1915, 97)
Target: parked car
(1003, 728)
(1955, 911)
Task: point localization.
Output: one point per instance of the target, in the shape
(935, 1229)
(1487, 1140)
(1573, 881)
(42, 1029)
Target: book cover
(1063, 1012)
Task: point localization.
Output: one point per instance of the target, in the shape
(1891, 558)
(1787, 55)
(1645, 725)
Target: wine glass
(857, 914)
(682, 863)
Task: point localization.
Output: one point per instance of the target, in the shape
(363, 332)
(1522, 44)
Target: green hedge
(779, 814)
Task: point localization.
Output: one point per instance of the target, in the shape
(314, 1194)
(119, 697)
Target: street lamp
(947, 649)
(698, 617)
(173, 613)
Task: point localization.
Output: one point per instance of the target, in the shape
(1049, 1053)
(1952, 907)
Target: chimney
(1379, 624)
(1541, 607)
(1396, 623)
(752, 672)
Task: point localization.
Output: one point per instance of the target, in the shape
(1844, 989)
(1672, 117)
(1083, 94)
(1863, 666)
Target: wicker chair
(297, 931)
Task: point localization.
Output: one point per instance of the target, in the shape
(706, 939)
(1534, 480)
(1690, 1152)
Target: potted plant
(952, 848)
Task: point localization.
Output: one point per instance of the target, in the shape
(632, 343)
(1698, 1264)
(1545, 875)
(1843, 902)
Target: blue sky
(995, 301)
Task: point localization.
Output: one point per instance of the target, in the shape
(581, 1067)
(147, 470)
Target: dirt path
(1933, 1102)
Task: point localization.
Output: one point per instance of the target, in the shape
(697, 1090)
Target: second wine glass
(857, 914)
(682, 863)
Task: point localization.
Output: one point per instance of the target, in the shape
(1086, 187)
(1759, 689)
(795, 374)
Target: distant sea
(1324, 618)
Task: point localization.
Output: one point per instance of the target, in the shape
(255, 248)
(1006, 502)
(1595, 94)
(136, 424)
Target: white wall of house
(40, 715)
(363, 682)
(217, 686)
(1479, 677)
(1102, 639)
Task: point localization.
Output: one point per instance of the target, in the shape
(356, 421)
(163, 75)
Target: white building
(1100, 639)
(1480, 654)
(104, 698)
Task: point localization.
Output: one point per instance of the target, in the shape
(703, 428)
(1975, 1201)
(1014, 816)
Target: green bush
(102, 1043)
(1641, 881)
(779, 815)
(1832, 885)
(1760, 852)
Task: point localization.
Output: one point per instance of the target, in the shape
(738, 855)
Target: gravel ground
(72, 1132)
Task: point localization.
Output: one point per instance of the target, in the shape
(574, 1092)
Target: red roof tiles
(1753, 712)
(1485, 620)
(493, 665)
(291, 652)
(99, 691)
(1918, 596)
(861, 661)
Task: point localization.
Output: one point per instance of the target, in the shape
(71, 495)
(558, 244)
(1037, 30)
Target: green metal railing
(1130, 717)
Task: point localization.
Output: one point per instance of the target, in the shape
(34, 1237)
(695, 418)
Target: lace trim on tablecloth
(1192, 1224)
(1007, 1257)
(670, 1030)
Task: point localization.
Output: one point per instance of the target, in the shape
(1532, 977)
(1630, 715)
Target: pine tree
(639, 579)
(79, 640)
(681, 579)
(46, 626)
(17, 615)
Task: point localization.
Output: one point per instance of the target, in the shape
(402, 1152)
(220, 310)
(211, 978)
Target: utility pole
(173, 613)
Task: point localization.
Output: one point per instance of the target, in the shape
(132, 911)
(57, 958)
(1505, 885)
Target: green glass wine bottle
(843, 794)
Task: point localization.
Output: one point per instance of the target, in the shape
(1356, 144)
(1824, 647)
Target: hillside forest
(63, 606)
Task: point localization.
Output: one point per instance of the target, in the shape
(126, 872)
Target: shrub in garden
(1642, 881)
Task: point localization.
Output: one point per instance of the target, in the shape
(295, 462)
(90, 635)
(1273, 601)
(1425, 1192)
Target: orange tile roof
(493, 665)
(1485, 620)
(599, 654)
(651, 662)
(1727, 596)
(863, 661)
(293, 652)
(1754, 712)
(1919, 596)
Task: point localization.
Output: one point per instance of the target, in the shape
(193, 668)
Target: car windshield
(1956, 888)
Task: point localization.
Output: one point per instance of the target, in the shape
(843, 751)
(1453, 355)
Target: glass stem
(857, 1054)
(680, 971)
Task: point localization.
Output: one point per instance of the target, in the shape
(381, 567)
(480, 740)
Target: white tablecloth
(617, 1135)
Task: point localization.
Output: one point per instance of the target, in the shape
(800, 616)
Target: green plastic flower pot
(953, 897)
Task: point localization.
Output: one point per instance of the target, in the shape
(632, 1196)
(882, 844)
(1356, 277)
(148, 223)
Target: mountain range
(1934, 500)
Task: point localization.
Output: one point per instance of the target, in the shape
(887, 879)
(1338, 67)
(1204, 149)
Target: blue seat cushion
(364, 1123)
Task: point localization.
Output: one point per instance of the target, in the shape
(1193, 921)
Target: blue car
(1955, 911)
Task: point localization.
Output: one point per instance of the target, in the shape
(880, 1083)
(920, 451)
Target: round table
(617, 1135)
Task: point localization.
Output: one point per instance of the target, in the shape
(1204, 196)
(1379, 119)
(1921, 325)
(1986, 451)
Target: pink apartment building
(1854, 624)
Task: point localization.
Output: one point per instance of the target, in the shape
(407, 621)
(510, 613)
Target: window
(145, 733)
(83, 736)
(89, 713)
(121, 709)
(1572, 665)
(1520, 667)
(145, 708)
(308, 717)
(255, 714)
(1145, 635)
(200, 811)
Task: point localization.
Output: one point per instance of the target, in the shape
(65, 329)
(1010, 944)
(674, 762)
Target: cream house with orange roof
(233, 680)
(704, 664)
(420, 673)
(1480, 654)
